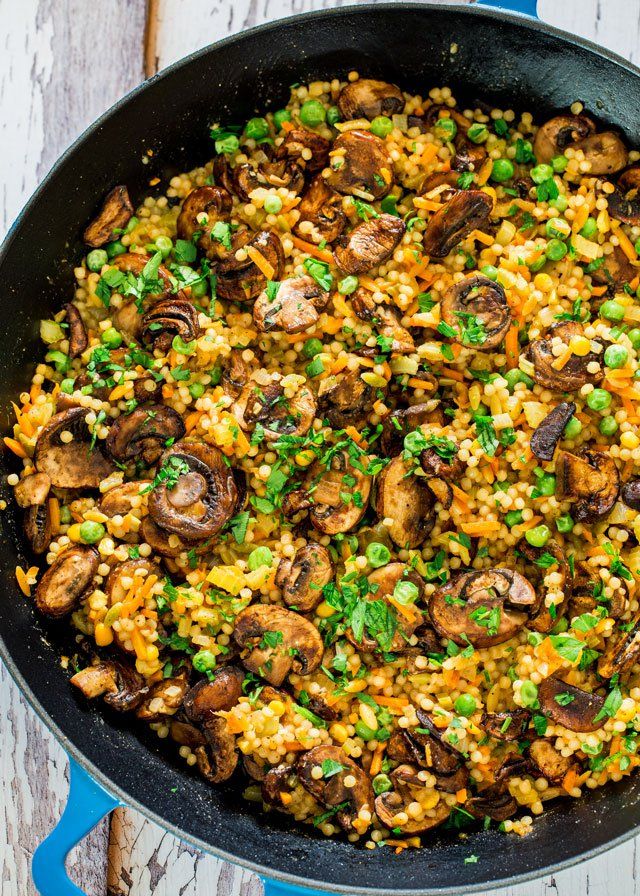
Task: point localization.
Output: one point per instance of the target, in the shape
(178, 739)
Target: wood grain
(62, 63)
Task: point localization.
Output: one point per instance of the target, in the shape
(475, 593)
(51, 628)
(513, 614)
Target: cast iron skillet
(516, 62)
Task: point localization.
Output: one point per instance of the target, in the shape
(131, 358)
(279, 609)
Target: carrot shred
(452, 374)
(376, 762)
(54, 514)
(480, 527)
(598, 290)
(369, 284)
(261, 262)
(338, 365)
(512, 348)
(354, 435)
(15, 446)
(397, 703)
(427, 204)
(311, 249)
(417, 383)
(626, 245)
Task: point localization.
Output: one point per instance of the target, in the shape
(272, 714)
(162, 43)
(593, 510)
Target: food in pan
(333, 461)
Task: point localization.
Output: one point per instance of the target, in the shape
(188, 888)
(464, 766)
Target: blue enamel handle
(526, 7)
(279, 888)
(88, 802)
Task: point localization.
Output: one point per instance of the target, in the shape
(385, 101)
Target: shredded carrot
(529, 524)
(353, 434)
(369, 284)
(54, 514)
(417, 383)
(235, 725)
(118, 392)
(376, 762)
(409, 612)
(338, 365)
(460, 496)
(427, 204)
(562, 359)
(311, 249)
(428, 154)
(191, 420)
(15, 446)
(138, 644)
(511, 347)
(626, 245)
(167, 390)
(481, 527)
(261, 262)
(569, 780)
(598, 290)
(294, 746)
(287, 126)
(581, 216)
(485, 238)
(484, 174)
(461, 795)
(23, 583)
(452, 374)
(397, 703)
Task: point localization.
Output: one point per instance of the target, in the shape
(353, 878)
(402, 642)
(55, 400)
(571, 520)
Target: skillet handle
(526, 7)
(87, 803)
(280, 888)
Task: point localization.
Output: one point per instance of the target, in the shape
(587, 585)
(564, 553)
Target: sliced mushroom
(244, 281)
(433, 181)
(560, 132)
(70, 464)
(278, 780)
(296, 141)
(493, 802)
(303, 578)
(623, 651)
(277, 414)
(630, 493)
(202, 209)
(483, 608)
(217, 758)
(144, 433)
(545, 439)
(382, 583)
(114, 215)
(293, 308)
(515, 766)
(121, 686)
(276, 641)
(339, 494)
(570, 706)
(510, 725)
(33, 490)
(447, 466)
(124, 498)
(332, 792)
(386, 320)
(405, 420)
(345, 399)
(583, 599)
(359, 163)
(615, 271)
(78, 339)
(605, 151)
(466, 211)
(433, 752)
(37, 527)
(185, 734)
(63, 584)
(202, 498)
(391, 806)
(574, 374)
(236, 372)
(269, 173)
(206, 698)
(367, 98)
(408, 501)
(164, 699)
(552, 764)
(369, 244)
(168, 544)
(541, 618)
(322, 207)
(167, 319)
(591, 480)
(624, 202)
(134, 263)
(477, 309)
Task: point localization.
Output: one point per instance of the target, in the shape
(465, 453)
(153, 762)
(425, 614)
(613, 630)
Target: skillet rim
(272, 874)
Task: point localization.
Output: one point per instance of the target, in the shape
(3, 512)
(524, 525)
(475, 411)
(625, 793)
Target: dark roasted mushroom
(605, 151)
(303, 578)
(78, 339)
(623, 651)
(144, 433)
(345, 399)
(124, 498)
(202, 209)
(206, 698)
(404, 420)
(545, 439)
(32, 490)
(624, 202)
(482, 608)
(509, 725)
(74, 464)
(334, 507)
(476, 308)
(369, 244)
(278, 780)
(406, 499)
(614, 270)
(366, 98)
(244, 281)
(322, 207)
(167, 319)
(541, 618)
(560, 132)
(382, 584)
(630, 493)
(276, 641)
(552, 764)
(575, 374)
(332, 792)
(296, 141)
(277, 414)
(386, 321)
(217, 758)
(200, 494)
(37, 527)
(591, 480)
(493, 802)
(391, 805)
(426, 746)
(121, 686)
(134, 263)
(62, 586)
(291, 306)
(586, 585)
(114, 215)
(570, 706)
(467, 210)
(360, 163)
(236, 372)
(164, 699)
(168, 544)
(282, 172)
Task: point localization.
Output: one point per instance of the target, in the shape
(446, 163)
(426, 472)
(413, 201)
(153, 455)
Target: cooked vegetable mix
(333, 461)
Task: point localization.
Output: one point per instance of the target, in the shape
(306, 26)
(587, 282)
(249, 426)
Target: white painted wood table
(62, 63)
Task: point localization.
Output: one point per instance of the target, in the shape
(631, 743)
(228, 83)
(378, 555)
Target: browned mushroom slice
(199, 496)
(332, 792)
(444, 465)
(541, 618)
(124, 498)
(515, 766)
(339, 494)
(202, 209)
(591, 480)
(408, 501)
(32, 490)
(37, 527)
(291, 306)
(144, 433)
(217, 758)
(391, 806)
(551, 763)
(278, 780)
(570, 706)
(206, 698)
(78, 339)
(244, 281)
(115, 214)
(430, 184)
(508, 726)
(586, 585)
(436, 754)
(466, 211)
(630, 493)
(494, 802)
(482, 608)
(614, 270)
(624, 202)
(63, 584)
(72, 464)
(345, 399)
(605, 151)
(369, 244)
(558, 133)
(476, 308)
(623, 651)
(297, 140)
(121, 686)
(164, 699)
(386, 320)
(168, 319)
(276, 641)
(236, 372)
(367, 98)
(359, 163)
(303, 578)
(322, 207)
(134, 263)
(404, 420)
(545, 439)
(575, 374)
(277, 414)
(168, 544)
(382, 584)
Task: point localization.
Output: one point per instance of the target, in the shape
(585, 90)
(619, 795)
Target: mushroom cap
(574, 375)
(243, 281)
(303, 578)
(345, 399)
(122, 687)
(624, 202)
(408, 501)
(606, 152)
(402, 421)
(508, 726)
(358, 159)
(208, 697)
(425, 747)
(277, 414)
(368, 98)
(37, 527)
(494, 802)
(294, 144)
(114, 215)
(630, 493)
(541, 619)
(570, 706)
(168, 544)
(78, 339)
(615, 271)
(236, 372)
(297, 642)
(217, 758)
(467, 210)
(144, 432)
(63, 584)
(70, 464)
(552, 764)
(322, 206)
(329, 512)
(591, 479)
(167, 319)
(32, 490)
(332, 792)
(170, 691)
(134, 263)
(501, 598)
(122, 499)
(382, 583)
(561, 131)
(369, 244)
(622, 652)
(202, 499)
(386, 321)
(391, 803)
(294, 308)
(216, 203)
(278, 780)
(486, 302)
(548, 433)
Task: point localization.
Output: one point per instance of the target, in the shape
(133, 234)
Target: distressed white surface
(62, 63)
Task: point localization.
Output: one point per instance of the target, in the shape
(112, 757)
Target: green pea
(312, 347)
(538, 264)
(558, 228)
(612, 310)
(96, 260)
(528, 693)
(314, 368)
(111, 338)
(564, 523)
(490, 271)
(261, 556)
(634, 337)
(636, 246)
(312, 113)
(561, 202)
(502, 170)
(196, 390)
(513, 518)
(273, 205)
(91, 532)
(204, 661)
(608, 426)
(445, 128)
(364, 731)
(465, 705)
(183, 348)
(515, 376)
(535, 638)
(115, 248)
(559, 164)
(381, 126)
(478, 133)
(165, 245)
(538, 536)
(60, 361)
(348, 285)
(377, 554)
(405, 593)
(615, 356)
(546, 484)
(66, 386)
(257, 129)
(556, 250)
(279, 116)
(215, 375)
(573, 428)
(381, 784)
(589, 229)
(65, 515)
(199, 289)
(541, 173)
(333, 115)
(599, 399)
